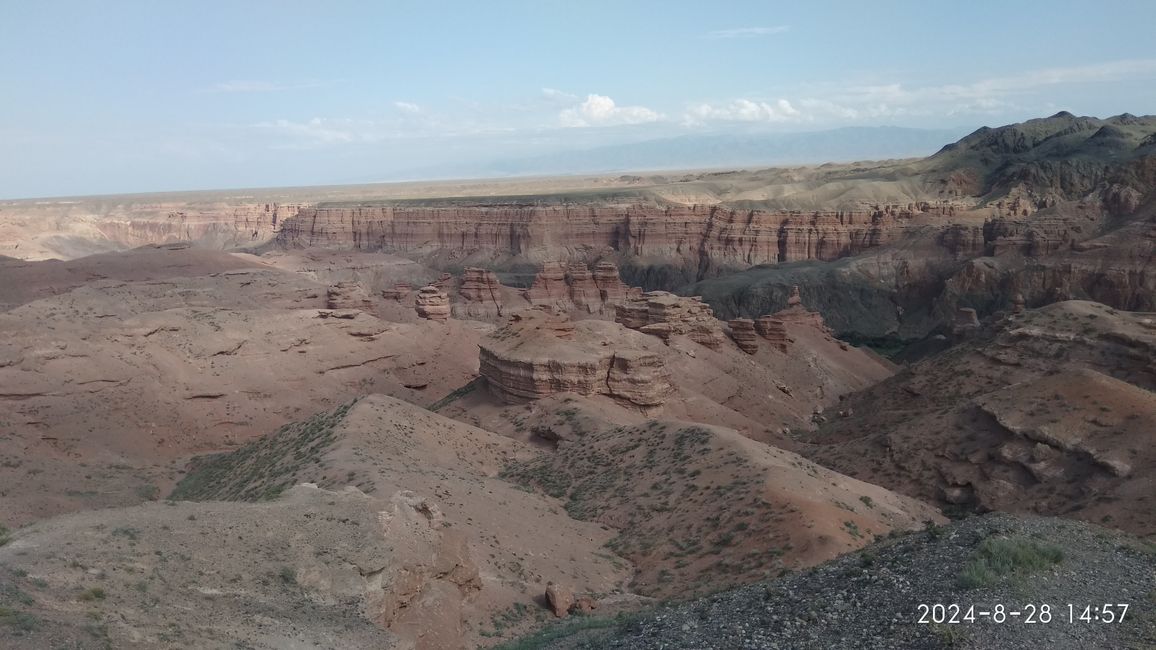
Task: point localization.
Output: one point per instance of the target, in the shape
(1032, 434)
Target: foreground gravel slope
(871, 599)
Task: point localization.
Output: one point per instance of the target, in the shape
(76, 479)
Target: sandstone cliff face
(692, 235)
(226, 227)
(536, 355)
(479, 296)
(577, 289)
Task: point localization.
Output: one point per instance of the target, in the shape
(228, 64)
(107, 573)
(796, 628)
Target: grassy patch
(96, 593)
(20, 622)
(5, 536)
(998, 557)
(264, 468)
(570, 627)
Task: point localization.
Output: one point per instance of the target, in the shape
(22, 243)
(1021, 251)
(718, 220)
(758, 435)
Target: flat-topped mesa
(535, 355)
(743, 332)
(432, 303)
(667, 315)
(482, 289)
(347, 295)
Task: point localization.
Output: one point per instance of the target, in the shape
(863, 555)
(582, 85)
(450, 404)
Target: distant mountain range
(715, 150)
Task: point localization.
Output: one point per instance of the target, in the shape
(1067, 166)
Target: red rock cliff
(687, 233)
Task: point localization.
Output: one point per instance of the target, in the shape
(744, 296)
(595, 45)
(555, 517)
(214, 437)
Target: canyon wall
(695, 236)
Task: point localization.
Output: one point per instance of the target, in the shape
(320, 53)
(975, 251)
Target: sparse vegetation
(998, 557)
(264, 468)
(94, 593)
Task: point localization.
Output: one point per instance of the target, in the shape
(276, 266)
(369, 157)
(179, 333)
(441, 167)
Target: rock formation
(668, 315)
(535, 356)
(347, 295)
(398, 292)
(583, 291)
(774, 330)
(576, 288)
(482, 292)
(550, 286)
(798, 314)
(611, 289)
(966, 322)
(1018, 303)
(743, 332)
(432, 303)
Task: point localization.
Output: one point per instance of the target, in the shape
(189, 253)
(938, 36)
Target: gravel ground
(870, 599)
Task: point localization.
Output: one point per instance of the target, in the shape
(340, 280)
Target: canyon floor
(759, 408)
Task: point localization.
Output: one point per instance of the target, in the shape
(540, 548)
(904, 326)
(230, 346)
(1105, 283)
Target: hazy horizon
(142, 97)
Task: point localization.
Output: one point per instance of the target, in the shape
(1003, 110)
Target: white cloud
(407, 107)
(746, 32)
(561, 96)
(600, 110)
(317, 131)
(743, 110)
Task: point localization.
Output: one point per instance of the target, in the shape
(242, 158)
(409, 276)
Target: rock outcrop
(797, 314)
(669, 315)
(347, 295)
(538, 354)
(398, 292)
(611, 289)
(743, 332)
(432, 303)
(575, 288)
(480, 295)
(774, 330)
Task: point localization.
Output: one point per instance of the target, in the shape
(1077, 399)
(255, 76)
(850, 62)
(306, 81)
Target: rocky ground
(872, 598)
(1047, 411)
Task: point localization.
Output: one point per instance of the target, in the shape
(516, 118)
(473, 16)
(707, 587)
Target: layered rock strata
(692, 234)
(533, 357)
(398, 292)
(576, 288)
(667, 315)
(773, 330)
(432, 303)
(744, 335)
(482, 290)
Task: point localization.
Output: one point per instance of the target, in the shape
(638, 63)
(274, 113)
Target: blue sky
(122, 96)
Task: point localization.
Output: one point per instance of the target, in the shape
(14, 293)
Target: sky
(124, 96)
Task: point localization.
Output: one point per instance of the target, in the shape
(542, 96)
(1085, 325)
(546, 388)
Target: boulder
(560, 599)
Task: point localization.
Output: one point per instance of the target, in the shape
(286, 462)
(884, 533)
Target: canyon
(447, 415)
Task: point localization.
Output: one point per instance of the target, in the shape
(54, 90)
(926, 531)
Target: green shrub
(998, 557)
